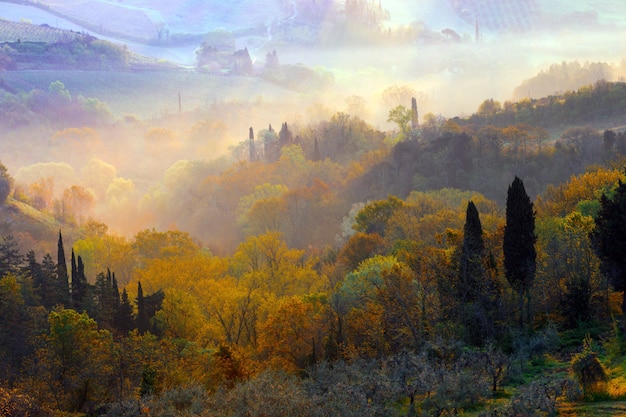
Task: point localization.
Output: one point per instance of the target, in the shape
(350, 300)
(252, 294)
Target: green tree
(401, 116)
(375, 216)
(609, 237)
(75, 364)
(519, 243)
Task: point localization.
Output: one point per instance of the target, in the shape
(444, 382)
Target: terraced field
(144, 21)
(27, 32)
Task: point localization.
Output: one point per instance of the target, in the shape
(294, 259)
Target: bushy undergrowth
(407, 383)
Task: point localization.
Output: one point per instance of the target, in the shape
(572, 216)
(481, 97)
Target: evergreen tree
(143, 322)
(34, 271)
(10, 258)
(48, 286)
(285, 137)
(471, 271)
(477, 290)
(62, 284)
(124, 321)
(519, 243)
(609, 238)
(317, 156)
(75, 284)
(251, 145)
(115, 290)
(414, 115)
(87, 291)
(108, 299)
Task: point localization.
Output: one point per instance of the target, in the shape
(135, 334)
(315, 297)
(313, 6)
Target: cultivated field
(26, 32)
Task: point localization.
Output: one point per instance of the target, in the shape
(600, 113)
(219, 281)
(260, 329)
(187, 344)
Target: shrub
(538, 398)
(589, 372)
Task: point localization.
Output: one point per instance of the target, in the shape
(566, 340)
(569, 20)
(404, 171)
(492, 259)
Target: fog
(143, 167)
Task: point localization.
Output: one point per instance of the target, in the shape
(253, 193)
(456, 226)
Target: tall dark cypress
(520, 256)
(62, 287)
(115, 291)
(414, 115)
(471, 271)
(75, 286)
(251, 145)
(143, 324)
(609, 238)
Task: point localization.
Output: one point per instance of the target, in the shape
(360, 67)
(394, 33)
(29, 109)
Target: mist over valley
(171, 106)
(312, 208)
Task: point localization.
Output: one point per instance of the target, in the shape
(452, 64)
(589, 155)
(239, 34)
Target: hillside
(27, 32)
(32, 228)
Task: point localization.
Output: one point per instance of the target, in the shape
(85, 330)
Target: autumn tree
(76, 204)
(519, 243)
(609, 237)
(293, 337)
(581, 277)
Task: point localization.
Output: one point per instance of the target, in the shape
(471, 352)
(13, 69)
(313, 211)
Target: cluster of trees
(77, 52)
(423, 295)
(22, 109)
(567, 76)
(591, 103)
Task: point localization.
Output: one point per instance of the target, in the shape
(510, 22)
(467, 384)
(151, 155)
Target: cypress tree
(477, 290)
(609, 238)
(63, 290)
(251, 145)
(414, 116)
(75, 287)
(317, 156)
(471, 271)
(519, 243)
(143, 323)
